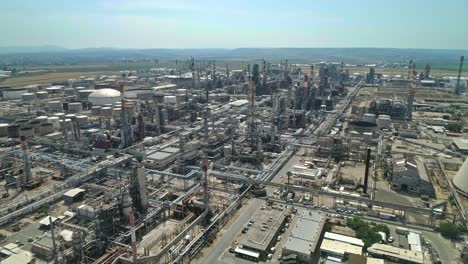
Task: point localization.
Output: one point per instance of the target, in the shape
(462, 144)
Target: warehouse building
(262, 233)
(410, 175)
(395, 254)
(340, 246)
(461, 145)
(305, 236)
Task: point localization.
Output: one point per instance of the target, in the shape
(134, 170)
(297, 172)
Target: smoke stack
(366, 176)
(133, 236)
(27, 174)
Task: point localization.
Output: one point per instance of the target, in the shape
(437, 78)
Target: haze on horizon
(235, 24)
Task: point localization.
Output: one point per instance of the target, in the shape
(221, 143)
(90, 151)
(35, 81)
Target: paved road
(213, 253)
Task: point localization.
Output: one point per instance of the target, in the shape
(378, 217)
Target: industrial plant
(206, 162)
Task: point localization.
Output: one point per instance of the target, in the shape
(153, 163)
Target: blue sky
(233, 24)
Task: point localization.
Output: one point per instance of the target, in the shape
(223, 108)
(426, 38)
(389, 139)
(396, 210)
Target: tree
(454, 127)
(449, 230)
(289, 174)
(369, 235)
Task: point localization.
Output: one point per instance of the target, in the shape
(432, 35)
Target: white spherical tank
(104, 96)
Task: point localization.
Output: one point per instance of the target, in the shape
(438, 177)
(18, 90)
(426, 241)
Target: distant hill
(31, 49)
(52, 55)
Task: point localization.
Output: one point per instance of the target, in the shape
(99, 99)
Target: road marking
(222, 255)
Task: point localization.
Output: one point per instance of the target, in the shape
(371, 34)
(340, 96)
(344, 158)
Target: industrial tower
(457, 88)
(412, 92)
(126, 129)
(27, 174)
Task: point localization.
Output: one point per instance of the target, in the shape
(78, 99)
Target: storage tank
(36, 125)
(82, 121)
(66, 124)
(75, 107)
(47, 128)
(3, 130)
(104, 96)
(27, 132)
(461, 179)
(13, 131)
(170, 99)
(22, 122)
(70, 116)
(54, 90)
(55, 106)
(84, 94)
(60, 115)
(106, 111)
(130, 110)
(27, 97)
(42, 119)
(116, 112)
(369, 118)
(383, 121)
(69, 91)
(95, 110)
(42, 95)
(54, 120)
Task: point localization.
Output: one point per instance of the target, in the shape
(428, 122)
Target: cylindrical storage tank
(170, 99)
(42, 95)
(54, 120)
(383, 121)
(42, 119)
(55, 106)
(84, 94)
(104, 96)
(82, 121)
(36, 125)
(54, 90)
(369, 118)
(3, 130)
(23, 122)
(70, 116)
(69, 91)
(60, 115)
(116, 112)
(66, 124)
(130, 110)
(47, 128)
(95, 110)
(75, 107)
(13, 131)
(28, 97)
(106, 111)
(26, 131)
